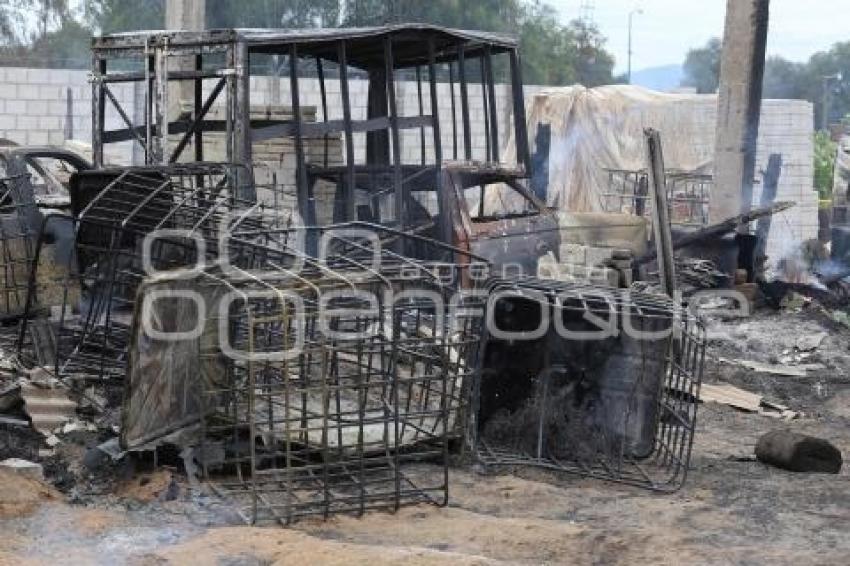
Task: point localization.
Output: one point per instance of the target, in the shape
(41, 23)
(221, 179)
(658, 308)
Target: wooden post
(660, 212)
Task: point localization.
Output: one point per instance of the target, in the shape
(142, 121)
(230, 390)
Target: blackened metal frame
(389, 50)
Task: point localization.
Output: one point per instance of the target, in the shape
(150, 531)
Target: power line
(586, 11)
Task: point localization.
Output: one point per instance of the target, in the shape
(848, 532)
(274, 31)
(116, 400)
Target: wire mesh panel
(594, 381)
(319, 381)
(17, 204)
(687, 195)
(127, 223)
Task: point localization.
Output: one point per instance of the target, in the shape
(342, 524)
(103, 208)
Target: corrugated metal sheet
(48, 407)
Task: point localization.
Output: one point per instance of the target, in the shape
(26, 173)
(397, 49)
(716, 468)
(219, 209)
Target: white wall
(33, 102)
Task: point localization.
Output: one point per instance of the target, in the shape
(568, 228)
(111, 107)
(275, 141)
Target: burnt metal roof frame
(366, 42)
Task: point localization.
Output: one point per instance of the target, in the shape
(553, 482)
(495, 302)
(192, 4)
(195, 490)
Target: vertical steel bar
(150, 69)
(464, 103)
(482, 64)
(99, 114)
(435, 108)
(320, 71)
(199, 131)
(435, 131)
(491, 97)
(160, 146)
(229, 103)
(242, 133)
(421, 112)
(520, 131)
(454, 110)
(400, 196)
(349, 135)
(305, 207)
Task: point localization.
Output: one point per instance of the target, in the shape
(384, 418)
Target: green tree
(111, 16)
(13, 21)
(66, 47)
(835, 61)
(825, 150)
(552, 53)
(785, 79)
(272, 13)
(702, 67)
(594, 65)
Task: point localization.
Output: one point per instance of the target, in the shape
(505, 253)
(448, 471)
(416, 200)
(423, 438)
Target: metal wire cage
(595, 381)
(322, 385)
(17, 204)
(687, 195)
(127, 223)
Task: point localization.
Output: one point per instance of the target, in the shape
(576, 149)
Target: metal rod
(421, 113)
(454, 111)
(196, 112)
(306, 207)
(491, 91)
(349, 136)
(464, 104)
(99, 114)
(400, 200)
(482, 67)
(320, 71)
(520, 128)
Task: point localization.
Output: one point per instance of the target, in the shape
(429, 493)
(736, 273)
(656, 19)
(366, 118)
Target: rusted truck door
(497, 218)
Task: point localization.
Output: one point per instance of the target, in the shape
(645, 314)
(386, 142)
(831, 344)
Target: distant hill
(663, 78)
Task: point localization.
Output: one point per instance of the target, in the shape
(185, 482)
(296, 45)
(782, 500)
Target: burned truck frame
(412, 158)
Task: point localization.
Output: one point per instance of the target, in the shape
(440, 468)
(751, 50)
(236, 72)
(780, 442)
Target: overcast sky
(668, 28)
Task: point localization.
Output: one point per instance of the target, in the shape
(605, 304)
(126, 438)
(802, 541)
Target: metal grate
(181, 210)
(687, 195)
(607, 388)
(323, 383)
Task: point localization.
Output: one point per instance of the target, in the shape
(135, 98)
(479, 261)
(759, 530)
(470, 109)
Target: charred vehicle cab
(34, 184)
(427, 168)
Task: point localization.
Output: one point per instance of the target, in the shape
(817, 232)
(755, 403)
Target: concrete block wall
(33, 112)
(786, 128)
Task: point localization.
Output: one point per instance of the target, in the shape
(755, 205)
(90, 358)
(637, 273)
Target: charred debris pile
(305, 348)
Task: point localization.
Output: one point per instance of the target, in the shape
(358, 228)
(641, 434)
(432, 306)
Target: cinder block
(8, 91)
(23, 468)
(27, 123)
(36, 108)
(78, 78)
(37, 137)
(49, 123)
(17, 136)
(57, 108)
(59, 77)
(56, 137)
(28, 92)
(7, 122)
(16, 75)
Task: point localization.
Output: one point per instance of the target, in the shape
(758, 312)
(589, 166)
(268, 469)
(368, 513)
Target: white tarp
(602, 128)
(591, 130)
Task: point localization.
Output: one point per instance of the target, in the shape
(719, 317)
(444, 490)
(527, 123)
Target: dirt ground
(732, 510)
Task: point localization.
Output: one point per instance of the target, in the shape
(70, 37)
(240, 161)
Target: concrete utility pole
(738, 107)
(184, 15)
